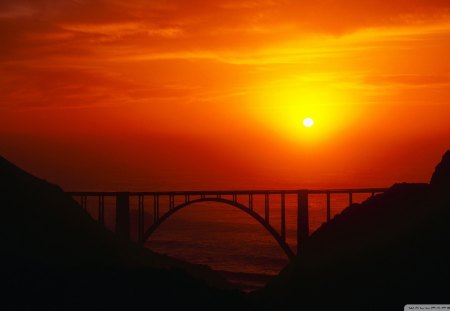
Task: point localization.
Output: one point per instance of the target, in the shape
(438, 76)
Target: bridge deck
(229, 192)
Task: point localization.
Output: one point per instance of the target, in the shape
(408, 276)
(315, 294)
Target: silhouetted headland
(391, 250)
(56, 257)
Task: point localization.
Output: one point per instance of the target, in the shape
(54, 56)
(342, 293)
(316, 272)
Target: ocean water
(225, 238)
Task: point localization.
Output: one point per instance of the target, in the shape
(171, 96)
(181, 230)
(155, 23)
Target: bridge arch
(278, 238)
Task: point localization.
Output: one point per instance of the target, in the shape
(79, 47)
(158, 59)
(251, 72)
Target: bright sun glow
(308, 122)
(288, 106)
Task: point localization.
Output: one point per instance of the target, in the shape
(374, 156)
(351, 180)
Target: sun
(308, 122)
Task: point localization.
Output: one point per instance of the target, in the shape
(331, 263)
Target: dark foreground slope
(391, 250)
(55, 257)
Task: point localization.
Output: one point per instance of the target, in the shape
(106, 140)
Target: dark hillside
(54, 256)
(391, 250)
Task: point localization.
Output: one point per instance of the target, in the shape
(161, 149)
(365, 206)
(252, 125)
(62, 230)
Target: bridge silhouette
(186, 198)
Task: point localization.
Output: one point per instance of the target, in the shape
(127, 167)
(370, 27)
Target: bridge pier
(302, 220)
(123, 215)
(283, 217)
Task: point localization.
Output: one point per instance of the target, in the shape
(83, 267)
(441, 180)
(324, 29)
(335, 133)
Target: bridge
(243, 200)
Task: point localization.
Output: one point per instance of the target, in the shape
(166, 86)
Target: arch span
(240, 206)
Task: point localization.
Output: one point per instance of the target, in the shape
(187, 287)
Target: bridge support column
(123, 215)
(302, 220)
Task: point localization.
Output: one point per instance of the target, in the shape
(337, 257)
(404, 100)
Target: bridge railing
(122, 207)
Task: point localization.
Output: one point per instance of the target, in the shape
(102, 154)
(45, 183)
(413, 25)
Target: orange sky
(161, 95)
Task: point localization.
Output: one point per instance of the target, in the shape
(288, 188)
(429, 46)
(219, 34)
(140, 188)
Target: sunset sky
(165, 95)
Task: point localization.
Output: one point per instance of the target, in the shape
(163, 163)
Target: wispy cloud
(67, 52)
(412, 80)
